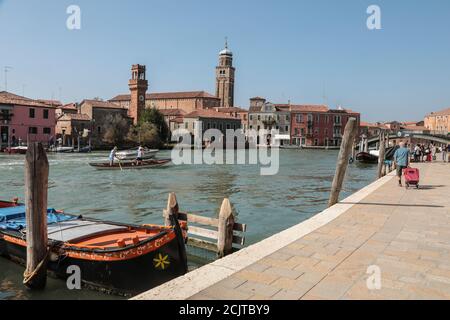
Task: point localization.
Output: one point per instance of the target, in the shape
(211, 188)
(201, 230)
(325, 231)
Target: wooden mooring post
(350, 132)
(221, 230)
(381, 164)
(36, 185)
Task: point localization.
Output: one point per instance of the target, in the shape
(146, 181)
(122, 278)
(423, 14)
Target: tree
(115, 128)
(145, 134)
(155, 117)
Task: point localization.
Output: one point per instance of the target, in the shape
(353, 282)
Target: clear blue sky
(297, 50)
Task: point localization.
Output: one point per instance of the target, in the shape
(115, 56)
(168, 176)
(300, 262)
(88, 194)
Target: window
(47, 131)
(228, 126)
(186, 125)
(32, 130)
(316, 142)
(45, 115)
(259, 118)
(286, 129)
(99, 129)
(251, 117)
(31, 112)
(299, 118)
(318, 118)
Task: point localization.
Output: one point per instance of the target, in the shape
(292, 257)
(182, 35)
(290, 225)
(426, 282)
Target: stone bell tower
(225, 78)
(138, 87)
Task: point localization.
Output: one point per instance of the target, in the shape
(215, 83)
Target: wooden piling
(172, 209)
(350, 132)
(36, 185)
(381, 155)
(225, 229)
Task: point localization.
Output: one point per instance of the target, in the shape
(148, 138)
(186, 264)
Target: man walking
(401, 159)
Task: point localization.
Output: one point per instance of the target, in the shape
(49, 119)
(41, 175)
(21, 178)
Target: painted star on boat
(161, 262)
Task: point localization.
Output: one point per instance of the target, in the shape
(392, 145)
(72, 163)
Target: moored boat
(118, 165)
(115, 257)
(366, 157)
(132, 154)
(17, 150)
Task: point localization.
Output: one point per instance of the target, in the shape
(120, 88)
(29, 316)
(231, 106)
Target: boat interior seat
(76, 230)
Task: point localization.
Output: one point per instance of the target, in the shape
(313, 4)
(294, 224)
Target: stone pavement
(403, 234)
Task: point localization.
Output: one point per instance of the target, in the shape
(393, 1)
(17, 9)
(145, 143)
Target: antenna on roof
(6, 69)
(226, 42)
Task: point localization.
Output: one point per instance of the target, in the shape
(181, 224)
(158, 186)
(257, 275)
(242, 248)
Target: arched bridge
(422, 135)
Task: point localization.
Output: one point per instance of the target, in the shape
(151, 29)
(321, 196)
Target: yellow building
(438, 122)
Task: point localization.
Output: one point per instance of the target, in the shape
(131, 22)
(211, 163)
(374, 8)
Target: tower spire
(226, 42)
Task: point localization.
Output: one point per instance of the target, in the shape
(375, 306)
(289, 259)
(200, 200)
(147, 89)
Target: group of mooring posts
(222, 230)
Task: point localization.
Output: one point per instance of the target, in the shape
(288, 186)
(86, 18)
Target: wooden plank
(213, 222)
(202, 244)
(202, 232)
(239, 240)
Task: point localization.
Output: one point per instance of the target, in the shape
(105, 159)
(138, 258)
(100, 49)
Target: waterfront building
(370, 129)
(438, 122)
(73, 126)
(319, 126)
(24, 120)
(185, 101)
(98, 112)
(238, 113)
(268, 116)
(210, 119)
(173, 117)
(67, 108)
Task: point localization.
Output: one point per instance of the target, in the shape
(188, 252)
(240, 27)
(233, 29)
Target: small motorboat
(17, 150)
(62, 149)
(114, 257)
(366, 157)
(118, 165)
(132, 154)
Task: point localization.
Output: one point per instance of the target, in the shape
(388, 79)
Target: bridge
(438, 138)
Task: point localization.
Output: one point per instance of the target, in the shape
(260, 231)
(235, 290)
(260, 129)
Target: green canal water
(267, 204)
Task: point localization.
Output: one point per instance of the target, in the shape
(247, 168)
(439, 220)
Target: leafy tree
(115, 128)
(145, 134)
(156, 118)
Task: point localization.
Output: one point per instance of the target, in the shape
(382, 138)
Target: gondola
(113, 257)
(119, 165)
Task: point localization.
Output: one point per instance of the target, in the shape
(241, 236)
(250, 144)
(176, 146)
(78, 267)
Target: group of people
(137, 161)
(420, 153)
(429, 153)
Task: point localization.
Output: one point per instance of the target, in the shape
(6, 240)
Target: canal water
(267, 204)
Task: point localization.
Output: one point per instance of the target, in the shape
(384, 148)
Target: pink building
(25, 120)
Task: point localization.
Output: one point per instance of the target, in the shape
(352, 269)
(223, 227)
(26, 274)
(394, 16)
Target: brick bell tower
(225, 78)
(138, 87)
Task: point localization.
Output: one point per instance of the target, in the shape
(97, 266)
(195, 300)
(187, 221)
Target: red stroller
(412, 177)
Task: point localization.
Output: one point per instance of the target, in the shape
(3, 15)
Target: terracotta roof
(172, 112)
(10, 98)
(444, 112)
(177, 120)
(168, 95)
(75, 116)
(370, 125)
(52, 103)
(69, 106)
(209, 114)
(309, 108)
(102, 104)
(415, 128)
(230, 109)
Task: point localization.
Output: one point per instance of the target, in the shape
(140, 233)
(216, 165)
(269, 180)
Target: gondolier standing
(112, 155)
(401, 159)
(140, 156)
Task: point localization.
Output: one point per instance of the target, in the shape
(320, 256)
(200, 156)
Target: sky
(306, 52)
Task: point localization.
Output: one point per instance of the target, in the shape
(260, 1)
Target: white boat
(132, 154)
(62, 149)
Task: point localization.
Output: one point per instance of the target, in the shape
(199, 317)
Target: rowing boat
(153, 163)
(114, 257)
(132, 154)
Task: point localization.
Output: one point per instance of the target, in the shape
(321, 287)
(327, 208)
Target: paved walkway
(405, 234)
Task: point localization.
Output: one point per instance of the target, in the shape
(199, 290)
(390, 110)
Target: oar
(120, 165)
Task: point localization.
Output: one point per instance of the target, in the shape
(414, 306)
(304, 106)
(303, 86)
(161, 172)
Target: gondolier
(140, 156)
(112, 155)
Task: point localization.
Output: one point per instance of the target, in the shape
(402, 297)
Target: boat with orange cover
(115, 257)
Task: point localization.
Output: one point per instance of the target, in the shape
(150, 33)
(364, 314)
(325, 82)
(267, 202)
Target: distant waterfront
(266, 204)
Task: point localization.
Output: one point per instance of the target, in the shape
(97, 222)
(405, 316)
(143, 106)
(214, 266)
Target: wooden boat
(113, 257)
(62, 149)
(132, 154)
(118, 165)
(17, 150)
(366, 157)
